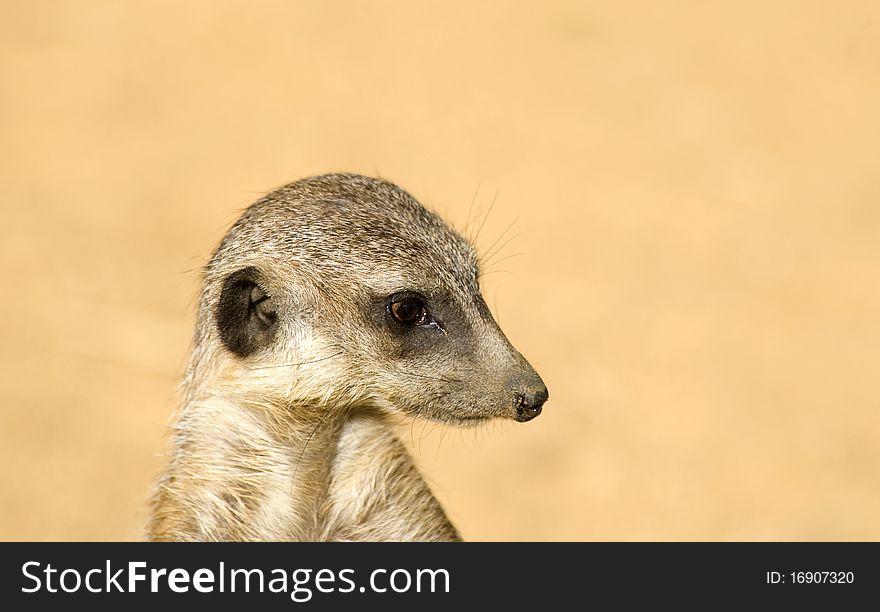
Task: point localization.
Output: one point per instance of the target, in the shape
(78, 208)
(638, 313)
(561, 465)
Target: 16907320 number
(822, 577)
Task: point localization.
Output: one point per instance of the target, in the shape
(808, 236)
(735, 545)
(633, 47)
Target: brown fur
(283, 431)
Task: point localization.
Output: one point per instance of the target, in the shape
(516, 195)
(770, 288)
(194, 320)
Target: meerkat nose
(529, 402)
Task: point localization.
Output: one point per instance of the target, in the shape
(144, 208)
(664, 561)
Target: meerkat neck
(249, 471)
(376, 492)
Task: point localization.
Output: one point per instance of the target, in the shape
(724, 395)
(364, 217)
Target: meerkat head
(344, 289)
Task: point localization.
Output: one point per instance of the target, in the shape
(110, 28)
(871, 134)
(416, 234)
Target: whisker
(488, 261)
(506, 257)
(301, 363)
(490, 251)
(305, 446)
(412, 425)
(495, 303)
(440, 378)
(497, 272)
(439, 444)
(467, 223)
(486, 217)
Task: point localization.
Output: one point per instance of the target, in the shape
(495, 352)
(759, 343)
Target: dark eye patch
(245, 313)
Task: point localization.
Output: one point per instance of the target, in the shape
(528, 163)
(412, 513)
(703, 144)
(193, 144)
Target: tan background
(696, 194)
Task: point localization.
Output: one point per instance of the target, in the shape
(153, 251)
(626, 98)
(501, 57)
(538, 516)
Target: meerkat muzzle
(529, 403)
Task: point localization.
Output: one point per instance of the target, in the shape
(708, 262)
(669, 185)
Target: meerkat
(333, 306)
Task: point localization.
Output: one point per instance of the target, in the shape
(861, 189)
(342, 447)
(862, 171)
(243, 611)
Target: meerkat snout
(479, 354)
(530, 402)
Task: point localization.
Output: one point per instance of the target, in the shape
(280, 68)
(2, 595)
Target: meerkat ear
(245, 314)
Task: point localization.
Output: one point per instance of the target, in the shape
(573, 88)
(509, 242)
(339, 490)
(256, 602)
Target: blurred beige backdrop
(695, 196)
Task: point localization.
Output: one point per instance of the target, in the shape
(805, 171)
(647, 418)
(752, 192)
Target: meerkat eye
(410, 310)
